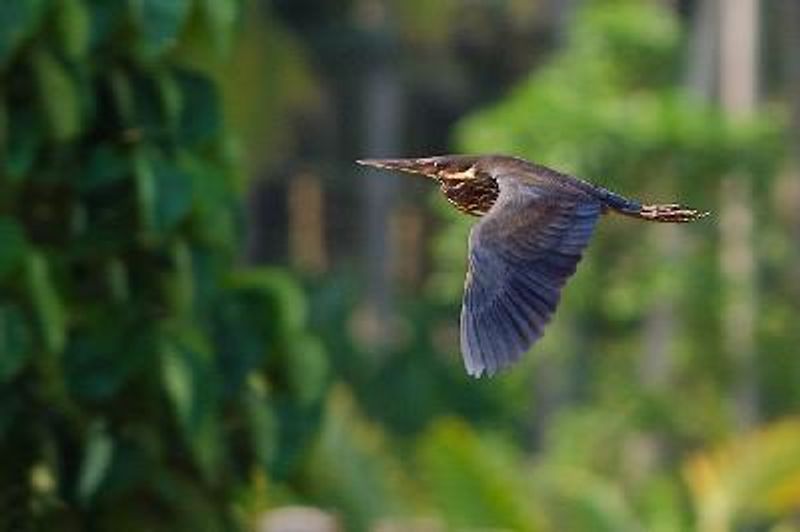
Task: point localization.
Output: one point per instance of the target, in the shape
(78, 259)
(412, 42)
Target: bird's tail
(668, 213)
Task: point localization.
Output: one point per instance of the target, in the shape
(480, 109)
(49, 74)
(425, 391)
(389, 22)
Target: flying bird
(534, 224)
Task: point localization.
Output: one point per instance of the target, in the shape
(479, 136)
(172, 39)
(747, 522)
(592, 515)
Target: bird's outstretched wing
(520, 255)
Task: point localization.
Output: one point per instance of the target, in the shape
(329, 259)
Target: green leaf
(58, 97)
(146, 194)
(159, 23)
(214, 205)
(141, 107)
(97, 459)
(307, 369)
(170, 98)
(173, 194)
(13, 246)
(179, 382)
(188, 373)
(46, 302)
(164, 193)
(18, 19)
(201, 117)
(15, 342)
(73, 25)
(123, 96)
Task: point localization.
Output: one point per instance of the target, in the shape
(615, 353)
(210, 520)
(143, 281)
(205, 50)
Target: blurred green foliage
(477, 482)
(608, 442)
(352, 467)
(145, 377)
(609, 106)
(149, 381)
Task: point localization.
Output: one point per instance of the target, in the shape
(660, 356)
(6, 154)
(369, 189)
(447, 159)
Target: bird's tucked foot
(669, 213)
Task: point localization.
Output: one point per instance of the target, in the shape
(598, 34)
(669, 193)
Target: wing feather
(521, 255)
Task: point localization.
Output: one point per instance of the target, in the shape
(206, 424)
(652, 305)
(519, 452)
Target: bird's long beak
(423, 166)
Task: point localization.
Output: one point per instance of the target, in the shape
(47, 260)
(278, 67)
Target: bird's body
(535, 223)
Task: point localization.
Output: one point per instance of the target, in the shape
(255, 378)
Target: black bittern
(535, 223)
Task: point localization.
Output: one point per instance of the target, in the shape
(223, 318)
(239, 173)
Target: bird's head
(441, 168)
(463, 179)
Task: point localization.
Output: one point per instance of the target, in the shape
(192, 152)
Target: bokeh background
(211, 319)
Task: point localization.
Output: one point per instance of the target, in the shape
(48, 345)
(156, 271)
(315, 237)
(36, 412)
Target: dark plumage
(535, 223)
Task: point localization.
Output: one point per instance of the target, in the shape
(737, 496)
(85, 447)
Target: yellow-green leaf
(58, 97)
(178, 382)
(73, 23)
(97, 458)
(46, 302)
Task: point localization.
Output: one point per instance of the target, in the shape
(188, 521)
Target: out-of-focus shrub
(143, 375)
